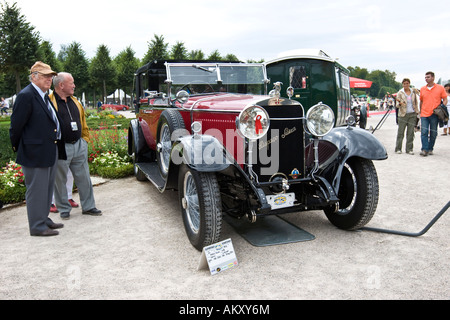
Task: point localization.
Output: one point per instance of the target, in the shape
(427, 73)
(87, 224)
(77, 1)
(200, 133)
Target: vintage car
(117, 107)
(312, 75)
(211, 131)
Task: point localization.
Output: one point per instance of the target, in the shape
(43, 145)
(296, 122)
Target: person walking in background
(430, 99)
(447, 125)
(4, 106)
(36, 137)
(76, 138)
(408, 110)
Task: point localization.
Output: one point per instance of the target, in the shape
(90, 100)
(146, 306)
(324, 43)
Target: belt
(72, 142)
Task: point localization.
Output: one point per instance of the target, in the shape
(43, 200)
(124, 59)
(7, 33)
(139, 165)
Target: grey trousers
(39, 183)
(78, 164)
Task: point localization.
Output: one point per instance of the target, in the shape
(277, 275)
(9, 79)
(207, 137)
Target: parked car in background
(211, 131)
(117, 107)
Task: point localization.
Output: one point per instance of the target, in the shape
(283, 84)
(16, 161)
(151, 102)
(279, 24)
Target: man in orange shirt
(430, 99)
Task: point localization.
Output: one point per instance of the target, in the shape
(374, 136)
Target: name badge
(74, 126)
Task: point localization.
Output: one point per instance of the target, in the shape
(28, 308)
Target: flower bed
(107, 156)
(111, 165)
(12, 183)
(108, 152)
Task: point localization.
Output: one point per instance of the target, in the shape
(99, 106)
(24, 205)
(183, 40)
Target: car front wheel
(170, 121)
(201, 206)
(358, 195)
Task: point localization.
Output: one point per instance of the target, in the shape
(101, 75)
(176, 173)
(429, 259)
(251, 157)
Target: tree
(179, 51)
(157, 49)
(196, 55)
(357, 72)
(231, 57)
(126, 65)
(76, 64)
(102, 70)
(48, 56)
(18, 43)
(382, 81)
(215, 56)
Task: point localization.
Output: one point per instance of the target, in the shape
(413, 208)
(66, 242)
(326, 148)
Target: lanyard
(70, 114)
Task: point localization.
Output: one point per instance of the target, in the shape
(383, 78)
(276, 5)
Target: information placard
(218, 257)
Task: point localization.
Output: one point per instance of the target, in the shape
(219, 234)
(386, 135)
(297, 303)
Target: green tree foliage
(75, 63)
(48, 56)
(196, 55)
(215, 55)
(179, 51)
(126, 65)
(18, 43)
(231, 57)
(102, 70)
(157, 49)
(383, 82)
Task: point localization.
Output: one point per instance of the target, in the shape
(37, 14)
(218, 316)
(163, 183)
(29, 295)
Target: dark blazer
(33, 131)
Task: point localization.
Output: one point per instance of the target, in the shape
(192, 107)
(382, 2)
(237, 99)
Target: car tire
(363, 119)
(358, 195)
(140, 176)
(169, 121)
(201, 206)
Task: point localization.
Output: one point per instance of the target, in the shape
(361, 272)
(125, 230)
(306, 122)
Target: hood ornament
(275, 99)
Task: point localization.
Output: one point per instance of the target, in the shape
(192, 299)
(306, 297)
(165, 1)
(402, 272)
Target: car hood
(223, 102)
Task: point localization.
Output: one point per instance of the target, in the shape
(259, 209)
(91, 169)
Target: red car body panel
(217, 113)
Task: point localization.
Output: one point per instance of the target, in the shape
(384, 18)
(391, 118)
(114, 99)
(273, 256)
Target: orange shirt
(431, 99)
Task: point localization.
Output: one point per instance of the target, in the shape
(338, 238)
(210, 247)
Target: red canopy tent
(360, 83)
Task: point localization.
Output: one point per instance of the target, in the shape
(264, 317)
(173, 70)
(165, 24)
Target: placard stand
(218, 257)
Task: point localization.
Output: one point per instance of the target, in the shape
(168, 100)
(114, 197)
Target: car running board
(151, 171)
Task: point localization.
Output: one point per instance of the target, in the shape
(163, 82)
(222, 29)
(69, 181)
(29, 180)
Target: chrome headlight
(253, 122)
(320, 119)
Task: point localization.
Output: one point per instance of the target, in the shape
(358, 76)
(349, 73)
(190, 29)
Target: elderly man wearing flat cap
(36, 137)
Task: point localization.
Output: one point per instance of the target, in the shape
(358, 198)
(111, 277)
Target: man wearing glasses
(35, 135)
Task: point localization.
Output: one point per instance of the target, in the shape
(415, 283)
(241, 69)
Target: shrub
(12, 183)
(6, 151)
(111, 165)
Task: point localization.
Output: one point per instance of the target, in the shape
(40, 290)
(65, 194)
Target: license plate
(281, 200)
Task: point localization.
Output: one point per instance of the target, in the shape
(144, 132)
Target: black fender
(353, 142)
(358, 142)
(202, 153)
(136, 140)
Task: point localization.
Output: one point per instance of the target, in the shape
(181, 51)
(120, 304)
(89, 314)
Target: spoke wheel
(201, 206)
(169, 122)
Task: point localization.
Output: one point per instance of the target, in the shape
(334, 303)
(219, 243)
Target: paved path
(138, 248)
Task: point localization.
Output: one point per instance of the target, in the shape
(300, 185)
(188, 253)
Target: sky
(405, 37)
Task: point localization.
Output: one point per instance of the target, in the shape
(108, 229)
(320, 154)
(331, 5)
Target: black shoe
(46, 233)
(93, 212)
(65, 215)
(56, 226)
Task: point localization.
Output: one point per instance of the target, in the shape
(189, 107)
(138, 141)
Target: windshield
(197, 78)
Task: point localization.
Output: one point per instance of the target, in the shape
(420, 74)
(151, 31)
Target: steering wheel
(191, 90)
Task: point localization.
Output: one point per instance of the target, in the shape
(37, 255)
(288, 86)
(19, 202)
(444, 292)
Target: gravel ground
(138, 248)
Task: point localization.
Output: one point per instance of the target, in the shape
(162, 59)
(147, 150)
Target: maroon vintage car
(117, 107)
(211, 131)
